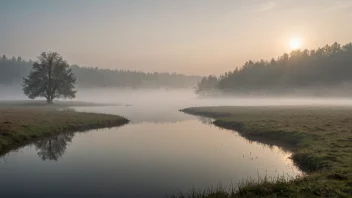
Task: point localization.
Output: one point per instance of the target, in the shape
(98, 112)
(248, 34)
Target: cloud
(267, 6)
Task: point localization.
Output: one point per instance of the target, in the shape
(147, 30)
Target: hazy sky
(186, 36)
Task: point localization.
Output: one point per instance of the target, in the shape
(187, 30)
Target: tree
(50, 78)
(206, 85)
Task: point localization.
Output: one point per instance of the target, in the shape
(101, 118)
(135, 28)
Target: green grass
(245, 188)
(20, 124)
(319, 137)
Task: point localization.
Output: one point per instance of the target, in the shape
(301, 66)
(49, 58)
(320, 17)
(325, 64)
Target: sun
(295, 43)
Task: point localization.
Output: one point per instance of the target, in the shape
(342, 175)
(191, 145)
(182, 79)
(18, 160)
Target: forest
(14, 69)
(322, 71)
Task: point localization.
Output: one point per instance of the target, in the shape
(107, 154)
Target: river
(162, 151)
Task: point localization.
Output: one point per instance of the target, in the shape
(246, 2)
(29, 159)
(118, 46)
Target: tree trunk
(49, 100)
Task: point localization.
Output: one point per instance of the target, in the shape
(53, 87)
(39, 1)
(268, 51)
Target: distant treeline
(12, 70)
(309, 71)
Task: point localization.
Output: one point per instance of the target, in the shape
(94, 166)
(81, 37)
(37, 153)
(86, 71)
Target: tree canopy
(50, 78)
(207, 85)
(329, 66)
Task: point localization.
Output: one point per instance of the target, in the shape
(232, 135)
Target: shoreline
(326, 175)
(239, 128)
(20, 126)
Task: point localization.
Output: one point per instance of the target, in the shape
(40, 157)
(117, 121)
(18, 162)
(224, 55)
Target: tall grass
(244, 188)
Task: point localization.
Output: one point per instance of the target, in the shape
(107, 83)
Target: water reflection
(3, 159)
(52, 149)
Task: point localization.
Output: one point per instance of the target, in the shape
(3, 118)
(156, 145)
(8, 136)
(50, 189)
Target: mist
(162, 105)
(12, 92)
(176, 98)
(187, 97)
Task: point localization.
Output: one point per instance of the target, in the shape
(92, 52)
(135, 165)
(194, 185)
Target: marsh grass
(244, 188)
(320, 138)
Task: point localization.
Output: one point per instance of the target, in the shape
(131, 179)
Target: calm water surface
(160, 152)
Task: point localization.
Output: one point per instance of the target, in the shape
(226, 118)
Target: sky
(185, 36)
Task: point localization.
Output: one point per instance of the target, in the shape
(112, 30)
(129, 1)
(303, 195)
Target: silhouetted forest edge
(325, 71)
(320, 146)
(12, 71)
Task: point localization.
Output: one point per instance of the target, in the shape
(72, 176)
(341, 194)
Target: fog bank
(186, 97)
(175, 98)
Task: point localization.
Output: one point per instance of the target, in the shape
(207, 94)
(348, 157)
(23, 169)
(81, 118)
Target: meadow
(320, 138)
(22, 122)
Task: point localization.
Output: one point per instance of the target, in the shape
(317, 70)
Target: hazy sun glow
(295, 43)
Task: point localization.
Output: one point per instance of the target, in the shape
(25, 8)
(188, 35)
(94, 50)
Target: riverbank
(23, 123)
(320, 139)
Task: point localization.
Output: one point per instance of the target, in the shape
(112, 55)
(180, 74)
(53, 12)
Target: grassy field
(21, 122)
(319, 137)
(41, 103)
